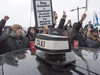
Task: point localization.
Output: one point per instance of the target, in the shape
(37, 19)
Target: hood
(28, 31)
(5, 28)
(91, 36)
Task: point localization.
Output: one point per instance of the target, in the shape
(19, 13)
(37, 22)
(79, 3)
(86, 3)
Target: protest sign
(43, 12)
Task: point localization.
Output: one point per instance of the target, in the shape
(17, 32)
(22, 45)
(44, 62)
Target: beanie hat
(15, 27)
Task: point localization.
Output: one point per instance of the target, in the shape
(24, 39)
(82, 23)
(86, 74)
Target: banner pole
(86, 6)
(30, 13)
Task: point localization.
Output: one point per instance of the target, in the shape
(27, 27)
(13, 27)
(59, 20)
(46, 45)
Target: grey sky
(19, 10)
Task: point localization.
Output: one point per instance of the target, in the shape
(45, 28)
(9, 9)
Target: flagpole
(85, 10)
(86, 6)
(30, 13)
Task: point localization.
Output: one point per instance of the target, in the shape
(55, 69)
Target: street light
(77, 11)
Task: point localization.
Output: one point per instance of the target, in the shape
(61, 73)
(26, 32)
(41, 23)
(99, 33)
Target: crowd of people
(15, 37)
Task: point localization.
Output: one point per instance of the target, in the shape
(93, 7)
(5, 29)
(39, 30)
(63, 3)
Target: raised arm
(2, 23)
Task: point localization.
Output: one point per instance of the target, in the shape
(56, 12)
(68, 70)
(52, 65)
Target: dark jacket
(2, 24)
(92, 42)
(82, 40)
(14, 43)
(61, 24)
(69, 27)
(3, 39)
(73, 34)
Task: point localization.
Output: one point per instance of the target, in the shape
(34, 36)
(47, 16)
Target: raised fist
(68, 22)
(64, 15)
(6, 18)
(83, 17)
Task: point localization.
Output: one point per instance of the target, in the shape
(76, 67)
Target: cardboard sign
(43, 12)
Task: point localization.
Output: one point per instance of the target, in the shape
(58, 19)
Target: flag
(95, 19)
(95, 56)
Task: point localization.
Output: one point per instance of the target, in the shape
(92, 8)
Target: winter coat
(2, 24)
(61, 24)
(82, 40)
(92, 42)
(73, 33)
(3, 39)
(15, 43)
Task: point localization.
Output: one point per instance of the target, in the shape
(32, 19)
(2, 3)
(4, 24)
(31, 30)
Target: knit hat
(15, 27)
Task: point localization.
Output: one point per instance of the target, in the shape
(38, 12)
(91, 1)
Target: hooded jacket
(73, 33)
(14, 43)
(92, 42)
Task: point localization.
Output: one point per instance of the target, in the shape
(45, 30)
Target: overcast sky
(19, 10)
